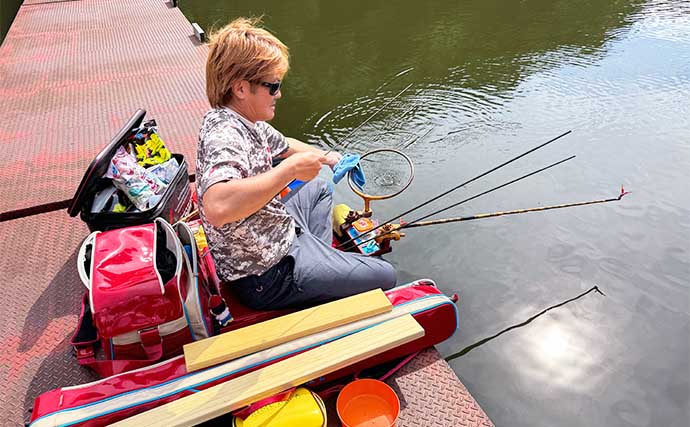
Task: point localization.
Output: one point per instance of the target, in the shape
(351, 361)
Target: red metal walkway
(71, 73)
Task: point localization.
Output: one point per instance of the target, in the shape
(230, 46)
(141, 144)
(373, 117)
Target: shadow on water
(471, 347)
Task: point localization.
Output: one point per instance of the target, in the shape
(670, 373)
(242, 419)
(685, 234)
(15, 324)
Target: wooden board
(240, 342)
(239, 392)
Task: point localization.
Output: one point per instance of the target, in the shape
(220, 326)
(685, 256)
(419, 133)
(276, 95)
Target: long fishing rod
(514, 212)
(456, 187)
(489, 191)
(342, 141)
(393, 227)
(396, 227)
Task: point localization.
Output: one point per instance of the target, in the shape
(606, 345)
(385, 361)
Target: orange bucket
(368, 403)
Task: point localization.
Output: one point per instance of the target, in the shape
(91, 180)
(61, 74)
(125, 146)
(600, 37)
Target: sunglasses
(273, 88)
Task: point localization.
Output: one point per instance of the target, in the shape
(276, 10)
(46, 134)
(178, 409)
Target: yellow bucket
(302, 409)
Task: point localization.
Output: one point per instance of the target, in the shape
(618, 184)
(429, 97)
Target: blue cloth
(349, 162)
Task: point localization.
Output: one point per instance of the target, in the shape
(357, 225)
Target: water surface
(8, 10)
(492, 79)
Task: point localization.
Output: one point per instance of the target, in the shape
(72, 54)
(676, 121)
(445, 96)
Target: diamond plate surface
(40, 297)
(72, 72)
(431, 395)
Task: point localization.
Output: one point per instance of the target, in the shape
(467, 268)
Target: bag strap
(217, 305)
(86, 338)
(81, 257)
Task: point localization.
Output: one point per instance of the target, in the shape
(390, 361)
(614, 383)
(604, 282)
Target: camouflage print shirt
(232, 147)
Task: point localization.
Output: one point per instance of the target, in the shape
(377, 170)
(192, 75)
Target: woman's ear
(240, 89)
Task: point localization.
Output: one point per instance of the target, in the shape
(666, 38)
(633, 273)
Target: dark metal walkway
(71, 73)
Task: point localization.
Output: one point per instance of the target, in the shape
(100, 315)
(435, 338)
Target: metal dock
(71, 73)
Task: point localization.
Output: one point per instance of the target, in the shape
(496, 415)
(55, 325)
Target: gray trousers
(313, 271)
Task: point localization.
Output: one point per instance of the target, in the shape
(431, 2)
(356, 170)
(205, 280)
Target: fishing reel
(392, 173)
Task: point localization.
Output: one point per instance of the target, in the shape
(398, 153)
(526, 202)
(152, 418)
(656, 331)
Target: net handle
(368, 197)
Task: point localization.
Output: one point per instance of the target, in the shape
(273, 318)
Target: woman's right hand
(306, 165)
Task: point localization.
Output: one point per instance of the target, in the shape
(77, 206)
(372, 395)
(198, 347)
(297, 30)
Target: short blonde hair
(242, 51)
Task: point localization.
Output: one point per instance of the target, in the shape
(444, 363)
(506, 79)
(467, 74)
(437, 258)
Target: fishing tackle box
(175, 203)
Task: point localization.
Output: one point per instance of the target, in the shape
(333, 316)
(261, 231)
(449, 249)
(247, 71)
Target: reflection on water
(491, 79)
(559, 357)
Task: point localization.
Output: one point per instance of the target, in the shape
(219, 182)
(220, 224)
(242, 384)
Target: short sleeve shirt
(232, 147)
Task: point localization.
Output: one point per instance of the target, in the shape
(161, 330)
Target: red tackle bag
(144, 300)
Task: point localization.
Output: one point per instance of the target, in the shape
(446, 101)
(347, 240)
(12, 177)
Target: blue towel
(349, 162)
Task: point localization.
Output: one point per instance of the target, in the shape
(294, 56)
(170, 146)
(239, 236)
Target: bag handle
(81, 257)
(169, 234)
(180, 256)
(180, 229)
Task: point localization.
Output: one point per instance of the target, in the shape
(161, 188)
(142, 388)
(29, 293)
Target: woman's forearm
(237, 199)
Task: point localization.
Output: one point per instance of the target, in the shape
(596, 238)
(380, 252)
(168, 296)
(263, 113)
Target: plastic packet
(137, 183)
(152, 151)
(165, 171)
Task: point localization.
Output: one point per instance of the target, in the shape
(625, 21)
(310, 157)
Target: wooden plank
(240, 342)
(257, 385)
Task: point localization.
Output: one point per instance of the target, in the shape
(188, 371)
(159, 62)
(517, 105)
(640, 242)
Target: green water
(8, 10)
(492, 79)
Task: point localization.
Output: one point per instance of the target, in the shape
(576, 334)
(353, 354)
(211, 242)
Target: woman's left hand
(333, 158)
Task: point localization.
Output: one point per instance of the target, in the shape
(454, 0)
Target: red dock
(71, 73)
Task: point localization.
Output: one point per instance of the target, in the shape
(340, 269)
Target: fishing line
(343, 146)
(519, 325)
(342, 141)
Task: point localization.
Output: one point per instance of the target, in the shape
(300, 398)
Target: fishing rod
(371, 117)
(388, 227)
(493, 189)
(456, 187)
(514, 212)
(395, 227)
(356, 129)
